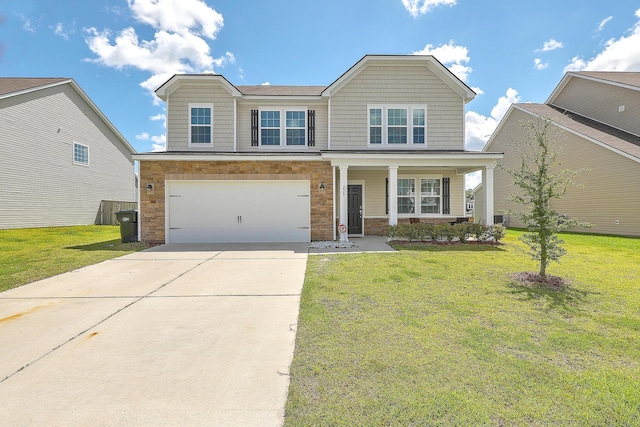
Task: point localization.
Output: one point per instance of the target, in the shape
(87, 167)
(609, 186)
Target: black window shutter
(254, 128)
(446, 196)
(386, 199)
(311, 128)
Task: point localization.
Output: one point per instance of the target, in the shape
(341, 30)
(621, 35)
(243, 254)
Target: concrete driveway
(175, 335)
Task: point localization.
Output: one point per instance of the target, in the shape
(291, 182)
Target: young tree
(540, 181)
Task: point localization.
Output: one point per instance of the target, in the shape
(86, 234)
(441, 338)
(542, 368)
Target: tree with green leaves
(540, 180)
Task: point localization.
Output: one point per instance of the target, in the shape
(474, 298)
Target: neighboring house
(382, 144)
(598, 116)
(60, 155)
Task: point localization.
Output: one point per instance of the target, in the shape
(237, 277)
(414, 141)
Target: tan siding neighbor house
(60, 155)
(381, 145)
(596, 116)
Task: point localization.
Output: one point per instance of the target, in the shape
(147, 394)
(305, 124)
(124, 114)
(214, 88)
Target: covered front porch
(373, 190)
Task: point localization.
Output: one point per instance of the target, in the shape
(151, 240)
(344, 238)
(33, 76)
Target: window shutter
(386, 199)
(254, 128)
(446, 196)
(311, 128)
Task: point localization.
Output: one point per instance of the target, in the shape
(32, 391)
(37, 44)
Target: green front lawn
(440, 335)
(27, 255)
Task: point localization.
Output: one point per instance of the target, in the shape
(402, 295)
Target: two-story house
(61, 156)
(382, 144)
(596, 120)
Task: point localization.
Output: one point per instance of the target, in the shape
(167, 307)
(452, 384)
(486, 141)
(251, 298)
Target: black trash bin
(128, 225)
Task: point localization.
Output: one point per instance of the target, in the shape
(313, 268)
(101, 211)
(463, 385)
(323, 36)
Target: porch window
(406, 196)
(283, 127)
(397, 125)
(430, 196)
(200, 124)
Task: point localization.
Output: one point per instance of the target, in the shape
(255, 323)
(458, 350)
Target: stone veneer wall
(152, 203)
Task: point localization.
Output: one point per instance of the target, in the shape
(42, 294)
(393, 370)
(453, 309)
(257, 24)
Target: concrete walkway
(176, 335)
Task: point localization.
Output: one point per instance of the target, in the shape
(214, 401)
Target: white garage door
(237, 211)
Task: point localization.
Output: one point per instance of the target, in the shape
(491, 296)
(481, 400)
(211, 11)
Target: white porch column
(393, 195)
(487, 186)
(344, 180)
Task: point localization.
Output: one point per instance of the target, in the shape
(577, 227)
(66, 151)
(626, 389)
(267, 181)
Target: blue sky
(119, 51)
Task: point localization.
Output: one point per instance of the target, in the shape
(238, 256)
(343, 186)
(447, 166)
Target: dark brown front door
(354, 210)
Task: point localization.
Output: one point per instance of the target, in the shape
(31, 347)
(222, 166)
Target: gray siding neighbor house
(381, 145)
(60, 155)
(597, 115)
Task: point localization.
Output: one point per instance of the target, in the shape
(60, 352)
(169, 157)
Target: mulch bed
(531, 279)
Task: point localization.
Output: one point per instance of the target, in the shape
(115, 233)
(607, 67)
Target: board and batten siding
(601, 102)
(178, 115)
(375, 193)
(393, 83)
(244, 121)
(610, 189)
(40, 186)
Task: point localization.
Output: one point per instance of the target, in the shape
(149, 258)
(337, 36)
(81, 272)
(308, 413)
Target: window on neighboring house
(290, 132)
(200, 124)
(80, 154)
(430, 196)
(406, 196)
(397, 125)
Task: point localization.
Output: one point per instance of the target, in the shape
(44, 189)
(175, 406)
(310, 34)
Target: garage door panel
(238, 211)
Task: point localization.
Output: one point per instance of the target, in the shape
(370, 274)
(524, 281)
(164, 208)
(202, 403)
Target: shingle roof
(624, 77)
(17, 84)
(615, 138)
(270, 90)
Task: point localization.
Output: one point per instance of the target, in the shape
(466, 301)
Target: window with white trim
(200, 125)
(80, 154)
(427, 200)
(393, 125)
(283, 127)
(430, 196)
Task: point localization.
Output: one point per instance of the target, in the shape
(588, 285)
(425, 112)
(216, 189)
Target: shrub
(446, 232)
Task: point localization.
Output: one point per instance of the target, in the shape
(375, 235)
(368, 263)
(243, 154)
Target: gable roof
(626, 79)
(14, 86)
(270, 90)
(608, 137)
(429, 60)
(11, 86)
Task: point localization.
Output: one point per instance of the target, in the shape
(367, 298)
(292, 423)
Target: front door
(354, 210)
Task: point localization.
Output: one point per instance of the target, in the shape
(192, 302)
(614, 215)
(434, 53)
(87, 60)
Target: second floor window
(200, 124)
(397, 125)
(283, 127)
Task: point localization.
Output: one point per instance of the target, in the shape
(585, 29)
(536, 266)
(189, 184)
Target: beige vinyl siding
(178, 115)
(601, 102)
(39, 184)
(244, 121)
(375, 191)
(611, 191)
(400, 84)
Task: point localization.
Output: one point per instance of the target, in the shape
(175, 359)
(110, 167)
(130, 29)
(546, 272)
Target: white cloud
(420, 7)
(479, 128)
(144, 136)
(472, 180)
(178, 46)
(452, 56)
(550, 45)
(178, 16)
(159, 143)
(158, 117)
(539, 65)
(621, 54)
(604, 22)
(59, 30)
(266, 84)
